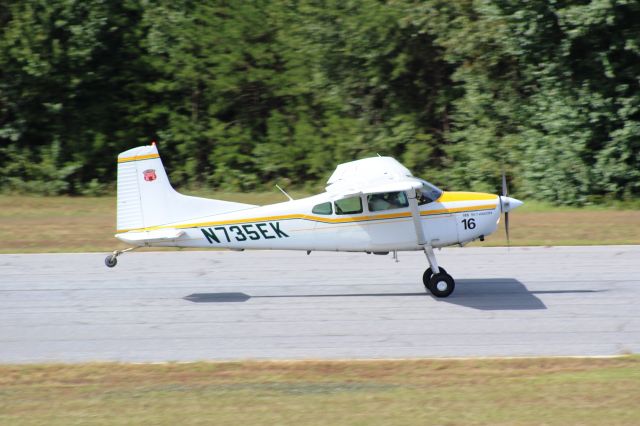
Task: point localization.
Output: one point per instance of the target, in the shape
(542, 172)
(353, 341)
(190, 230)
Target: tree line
(240, 95)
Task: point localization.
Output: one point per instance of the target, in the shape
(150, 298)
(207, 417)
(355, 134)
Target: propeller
(506, 205)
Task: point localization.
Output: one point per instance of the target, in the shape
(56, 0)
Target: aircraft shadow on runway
(482, 294)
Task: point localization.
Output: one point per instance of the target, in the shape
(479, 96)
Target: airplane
(373, 205)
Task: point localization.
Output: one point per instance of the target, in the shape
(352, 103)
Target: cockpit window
(324, 208)
(387, 201)
(351, 205)
(427, 193)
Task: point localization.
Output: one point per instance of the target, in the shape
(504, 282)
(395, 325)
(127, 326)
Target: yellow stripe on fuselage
(458, 209)
(320, 218)
(447, 196)
(138, 158)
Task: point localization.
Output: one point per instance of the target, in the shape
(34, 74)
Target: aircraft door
(392, 226)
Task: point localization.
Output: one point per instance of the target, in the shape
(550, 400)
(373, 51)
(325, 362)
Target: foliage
(44, 173)
(241, 95)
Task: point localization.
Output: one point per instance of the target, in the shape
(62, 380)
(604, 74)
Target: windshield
(427, 193)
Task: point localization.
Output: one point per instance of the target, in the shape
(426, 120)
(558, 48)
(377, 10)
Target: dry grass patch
(519, 391)
(568, 228)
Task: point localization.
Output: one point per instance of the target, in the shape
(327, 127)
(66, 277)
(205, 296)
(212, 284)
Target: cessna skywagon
(374, 205)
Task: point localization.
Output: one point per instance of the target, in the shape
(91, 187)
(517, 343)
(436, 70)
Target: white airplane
(374, 205)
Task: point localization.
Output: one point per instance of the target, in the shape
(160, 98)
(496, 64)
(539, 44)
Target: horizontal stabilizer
(155, 236)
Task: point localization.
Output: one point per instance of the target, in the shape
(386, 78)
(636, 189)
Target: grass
(470, 392)
(68, 224)
(568, 227)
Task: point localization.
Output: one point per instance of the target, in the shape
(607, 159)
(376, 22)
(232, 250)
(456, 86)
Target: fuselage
(453, 218)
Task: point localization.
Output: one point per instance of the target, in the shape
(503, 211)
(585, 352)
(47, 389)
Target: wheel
(441, 285)
(427, 276)
(111, 261)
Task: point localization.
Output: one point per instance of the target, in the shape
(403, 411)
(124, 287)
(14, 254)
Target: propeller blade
(505, 192)
(504, 184)
(506, 227)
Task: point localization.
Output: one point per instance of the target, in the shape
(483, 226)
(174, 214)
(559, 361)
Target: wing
(371, 175)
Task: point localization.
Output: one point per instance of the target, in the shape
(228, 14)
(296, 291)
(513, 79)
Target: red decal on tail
(149, 175)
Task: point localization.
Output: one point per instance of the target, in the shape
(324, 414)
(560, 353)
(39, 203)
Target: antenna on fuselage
(284, 192)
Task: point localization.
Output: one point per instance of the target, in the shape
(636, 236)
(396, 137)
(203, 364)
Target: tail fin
(146, 198)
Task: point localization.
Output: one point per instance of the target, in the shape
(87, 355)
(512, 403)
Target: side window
(324, 208)
(387, 201)
(350, 205)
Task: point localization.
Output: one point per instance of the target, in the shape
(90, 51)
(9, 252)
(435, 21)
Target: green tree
(68, 80)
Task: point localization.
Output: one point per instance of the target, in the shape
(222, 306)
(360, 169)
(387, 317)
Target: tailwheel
(427, 276)
(442, 284)
(111, 260)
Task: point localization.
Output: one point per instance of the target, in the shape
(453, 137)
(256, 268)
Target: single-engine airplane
(374, 205)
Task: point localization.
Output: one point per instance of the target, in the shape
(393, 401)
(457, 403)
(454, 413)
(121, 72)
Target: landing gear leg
(436, 279)
(112, 259)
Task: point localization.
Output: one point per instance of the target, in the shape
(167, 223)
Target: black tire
(441, 285)
(427, 276)
(111, 261)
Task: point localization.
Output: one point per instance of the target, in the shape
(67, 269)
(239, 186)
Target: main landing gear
(440, 284)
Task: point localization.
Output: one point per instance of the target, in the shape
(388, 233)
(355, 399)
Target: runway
(186, 306)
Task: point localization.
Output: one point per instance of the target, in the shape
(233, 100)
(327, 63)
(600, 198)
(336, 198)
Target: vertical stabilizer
(130, 214)
(146, 198)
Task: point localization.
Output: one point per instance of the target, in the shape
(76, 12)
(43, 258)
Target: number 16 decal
(469, 223)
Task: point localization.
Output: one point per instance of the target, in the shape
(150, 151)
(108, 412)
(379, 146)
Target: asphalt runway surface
(187, 306)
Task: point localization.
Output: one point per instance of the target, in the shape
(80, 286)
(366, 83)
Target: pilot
(422, 199)
(386, 201)
(378, 202)
(393, 198)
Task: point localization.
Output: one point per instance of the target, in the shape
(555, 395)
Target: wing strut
(415, 214)
(420, 238)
